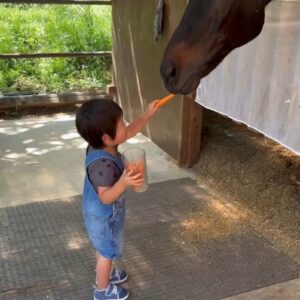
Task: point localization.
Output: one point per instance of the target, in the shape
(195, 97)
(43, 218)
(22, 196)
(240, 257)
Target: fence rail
(69, 2)
(53, 55)
(45, 100)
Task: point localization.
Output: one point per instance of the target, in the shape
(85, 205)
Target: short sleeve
(103, 172)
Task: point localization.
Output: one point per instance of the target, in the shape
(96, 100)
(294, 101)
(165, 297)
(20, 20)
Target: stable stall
(141, 30)
(257, 84)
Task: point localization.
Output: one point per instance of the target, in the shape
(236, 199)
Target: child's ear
(106, 139)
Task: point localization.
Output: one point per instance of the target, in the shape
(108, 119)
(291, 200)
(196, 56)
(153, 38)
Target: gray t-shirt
(103, 172)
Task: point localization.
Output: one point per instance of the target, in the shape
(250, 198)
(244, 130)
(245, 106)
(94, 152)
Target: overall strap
(98, 154)
(91, 157)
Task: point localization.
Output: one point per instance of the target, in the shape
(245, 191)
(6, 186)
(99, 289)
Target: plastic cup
(135, 160)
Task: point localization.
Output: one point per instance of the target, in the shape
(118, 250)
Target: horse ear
(159, 19)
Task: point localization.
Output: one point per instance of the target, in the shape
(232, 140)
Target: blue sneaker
(113, 292)
(116, 276)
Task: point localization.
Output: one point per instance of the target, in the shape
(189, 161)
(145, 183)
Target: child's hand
(128, 178)
(152, 108)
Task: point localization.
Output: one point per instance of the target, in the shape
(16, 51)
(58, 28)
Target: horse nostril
(171, 74)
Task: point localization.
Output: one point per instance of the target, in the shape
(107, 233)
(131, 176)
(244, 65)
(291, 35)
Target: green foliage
(54, 28)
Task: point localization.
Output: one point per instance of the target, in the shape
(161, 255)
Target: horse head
(208, 31)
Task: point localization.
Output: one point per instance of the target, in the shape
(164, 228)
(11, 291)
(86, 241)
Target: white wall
(259, 84)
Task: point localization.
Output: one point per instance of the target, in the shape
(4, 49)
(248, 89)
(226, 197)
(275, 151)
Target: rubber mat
(45, 253)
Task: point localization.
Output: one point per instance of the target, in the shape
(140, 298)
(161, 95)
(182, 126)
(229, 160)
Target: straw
(165, 100)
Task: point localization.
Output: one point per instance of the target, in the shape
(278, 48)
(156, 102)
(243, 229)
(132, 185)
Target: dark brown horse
(208, 31)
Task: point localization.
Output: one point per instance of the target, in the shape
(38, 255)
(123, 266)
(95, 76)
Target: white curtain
(259, 84)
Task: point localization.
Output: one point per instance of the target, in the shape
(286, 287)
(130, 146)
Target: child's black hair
(96, 118)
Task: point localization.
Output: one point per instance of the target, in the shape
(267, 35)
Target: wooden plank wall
(136, 59)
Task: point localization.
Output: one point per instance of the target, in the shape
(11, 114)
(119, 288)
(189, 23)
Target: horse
(208, 31)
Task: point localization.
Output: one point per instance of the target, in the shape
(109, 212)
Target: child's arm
(108, 195)
(134, 127)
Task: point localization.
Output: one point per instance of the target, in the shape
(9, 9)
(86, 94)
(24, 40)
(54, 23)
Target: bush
(54, 28)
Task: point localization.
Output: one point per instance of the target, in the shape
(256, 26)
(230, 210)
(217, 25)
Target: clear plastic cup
(135, 160)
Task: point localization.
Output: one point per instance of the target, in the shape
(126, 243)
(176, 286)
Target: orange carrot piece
(165, 100)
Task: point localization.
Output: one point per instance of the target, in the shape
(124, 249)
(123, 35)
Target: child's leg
(103, 270)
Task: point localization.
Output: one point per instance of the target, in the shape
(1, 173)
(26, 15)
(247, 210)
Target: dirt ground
(258, 180)
(251, 180)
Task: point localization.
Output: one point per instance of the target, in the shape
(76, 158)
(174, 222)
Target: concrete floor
(41, 159)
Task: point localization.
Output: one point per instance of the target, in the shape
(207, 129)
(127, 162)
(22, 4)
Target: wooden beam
(45, 100)
(53, 55)
(69, 2)
(191, 131)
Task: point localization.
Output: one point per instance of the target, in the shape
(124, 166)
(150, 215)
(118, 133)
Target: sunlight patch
(227, 210)
(217, 220)
(37, 126)
(28, 141)
(13, 131)
(36, 151)
(56, 143)
(15, 155)
(69, 136)
(75, 243)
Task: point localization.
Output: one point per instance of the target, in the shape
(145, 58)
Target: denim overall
(104, 223)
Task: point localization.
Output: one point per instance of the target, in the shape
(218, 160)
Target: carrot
(165, 100)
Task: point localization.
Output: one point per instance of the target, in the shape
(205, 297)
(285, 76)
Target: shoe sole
(126, 297)
(116, 281)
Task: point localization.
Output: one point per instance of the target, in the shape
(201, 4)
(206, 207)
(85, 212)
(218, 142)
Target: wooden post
(111, 90)
(191, 131)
